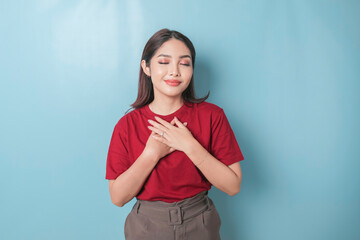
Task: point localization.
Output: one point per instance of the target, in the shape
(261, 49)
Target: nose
(174, 70)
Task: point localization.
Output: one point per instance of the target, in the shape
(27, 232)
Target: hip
(191, 218)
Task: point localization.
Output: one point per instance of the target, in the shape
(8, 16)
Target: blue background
(286, 74)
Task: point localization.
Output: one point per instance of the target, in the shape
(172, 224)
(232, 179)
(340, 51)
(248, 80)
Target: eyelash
(182, 64)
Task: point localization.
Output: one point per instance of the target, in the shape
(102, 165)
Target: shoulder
(128, 117)
(211, 108)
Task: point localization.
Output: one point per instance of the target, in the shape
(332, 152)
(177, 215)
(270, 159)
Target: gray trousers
(194, 218)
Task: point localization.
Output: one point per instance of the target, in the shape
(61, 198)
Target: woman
(171, 148)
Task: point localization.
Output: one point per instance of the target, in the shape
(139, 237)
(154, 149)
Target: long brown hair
(145, 90)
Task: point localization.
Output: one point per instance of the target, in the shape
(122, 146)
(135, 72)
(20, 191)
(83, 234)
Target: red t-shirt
(175, 177)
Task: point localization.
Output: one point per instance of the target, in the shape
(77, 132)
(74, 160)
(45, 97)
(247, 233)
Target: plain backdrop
(285, 72)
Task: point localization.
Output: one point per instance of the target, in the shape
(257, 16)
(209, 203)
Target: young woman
(171, 149)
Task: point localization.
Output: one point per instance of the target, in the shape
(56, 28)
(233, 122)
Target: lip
(172, 82)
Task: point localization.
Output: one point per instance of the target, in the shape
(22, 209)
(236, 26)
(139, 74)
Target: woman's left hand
(178, 137)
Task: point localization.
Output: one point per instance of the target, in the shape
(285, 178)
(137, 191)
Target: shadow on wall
(202, 78)
(232, 213)
(229, 218)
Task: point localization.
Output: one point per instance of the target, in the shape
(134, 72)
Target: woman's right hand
(155, 148)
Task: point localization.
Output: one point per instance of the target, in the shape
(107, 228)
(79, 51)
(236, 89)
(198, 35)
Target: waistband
(177, 212)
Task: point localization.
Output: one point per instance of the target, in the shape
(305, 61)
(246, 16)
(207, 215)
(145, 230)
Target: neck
(166, 106)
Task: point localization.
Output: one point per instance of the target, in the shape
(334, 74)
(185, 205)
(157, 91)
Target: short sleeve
(117, 158)
(224, 146)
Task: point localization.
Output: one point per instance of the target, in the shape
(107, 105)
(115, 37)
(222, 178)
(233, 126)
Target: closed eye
(185, 64)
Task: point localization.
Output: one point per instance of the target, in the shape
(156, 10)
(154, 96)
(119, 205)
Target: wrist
(194, 149)
(198, 154)
(191, 147)
(147, 154)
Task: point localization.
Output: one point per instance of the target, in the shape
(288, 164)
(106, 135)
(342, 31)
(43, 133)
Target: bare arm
(126, 186)
(225, 178)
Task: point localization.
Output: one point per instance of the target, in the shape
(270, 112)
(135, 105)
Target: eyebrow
(169, 56)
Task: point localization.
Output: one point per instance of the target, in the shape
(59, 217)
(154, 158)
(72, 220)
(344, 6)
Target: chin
(173, 93)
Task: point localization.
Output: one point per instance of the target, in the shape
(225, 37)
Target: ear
(145, 68)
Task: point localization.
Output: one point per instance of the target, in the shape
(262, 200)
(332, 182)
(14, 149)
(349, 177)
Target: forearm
(128, 184)
(216, 172)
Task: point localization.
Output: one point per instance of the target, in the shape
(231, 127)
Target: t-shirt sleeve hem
(233, 160)
(110, 177)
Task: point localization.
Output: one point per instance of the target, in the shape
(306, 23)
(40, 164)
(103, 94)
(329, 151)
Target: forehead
(173, 47)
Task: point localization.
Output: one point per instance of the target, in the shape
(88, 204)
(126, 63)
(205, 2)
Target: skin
(168, 99)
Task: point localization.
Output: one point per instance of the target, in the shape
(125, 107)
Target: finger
(172, 122)
(158, 126)
(163, 122)
(171, 150)
(161, 139)
(185, 124)
(158, 137)
(157, 131)
(178, 123)
(156, 134)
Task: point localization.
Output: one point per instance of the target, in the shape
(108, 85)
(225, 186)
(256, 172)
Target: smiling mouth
(172, 82)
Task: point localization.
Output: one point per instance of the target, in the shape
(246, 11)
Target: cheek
(159, 72)
(188, 74)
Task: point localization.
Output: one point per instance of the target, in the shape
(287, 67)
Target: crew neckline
(170, 116)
